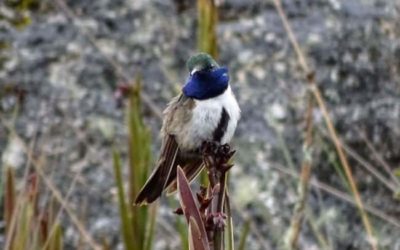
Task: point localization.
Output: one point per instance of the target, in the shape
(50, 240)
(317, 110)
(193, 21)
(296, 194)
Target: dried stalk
(333, 134)
(55, 192)
(340, 195)
(299, 210)
(380, 159)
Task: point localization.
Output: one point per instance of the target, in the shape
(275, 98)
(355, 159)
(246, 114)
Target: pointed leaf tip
(191, 210)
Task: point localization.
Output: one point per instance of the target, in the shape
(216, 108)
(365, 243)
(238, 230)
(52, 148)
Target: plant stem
(298, 215)
(216, 162)
(328, 121)
(218, 236)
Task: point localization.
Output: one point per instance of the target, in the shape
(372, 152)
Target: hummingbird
(205, 111)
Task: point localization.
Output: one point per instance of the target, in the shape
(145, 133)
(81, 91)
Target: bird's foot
(215, 154)
(210, 147)
(215, 148)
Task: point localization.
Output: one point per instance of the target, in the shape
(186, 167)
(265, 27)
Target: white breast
(206, 116)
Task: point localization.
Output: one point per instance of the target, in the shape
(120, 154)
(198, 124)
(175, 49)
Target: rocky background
(62, 71)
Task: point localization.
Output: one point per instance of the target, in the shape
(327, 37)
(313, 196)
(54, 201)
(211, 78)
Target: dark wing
(176, 115)
(154, 186)
(191, 169)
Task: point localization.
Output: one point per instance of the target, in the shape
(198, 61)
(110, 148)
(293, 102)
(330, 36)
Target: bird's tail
(159, 181)
(152, 189)
(191, 170)
(154, 186)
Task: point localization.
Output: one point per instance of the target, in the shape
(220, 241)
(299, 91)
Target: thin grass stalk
(207, 22)
(254, 229)
(229, 232)
(299, 210)
(148, 214)
(369, 167)
(81, 214)
(56, 217)
(374, 172)
(319, 236)
(9, 198)
(135, 166)
(135, 156)
(18, 199)
(244, 235)
(332, 159)
(126, 227)
(347, 169)
(63, 203)
(49, 184)
(56, 193)
(219, 234)
(290, 163)
(30, 228)
(139, 161)
(342, 196)
(333, 134)
(151, 227)
(2, 185)
(39, 218)
(56, 241)
(380, 159)
(42, 228)
(23, 225)
(285, 150)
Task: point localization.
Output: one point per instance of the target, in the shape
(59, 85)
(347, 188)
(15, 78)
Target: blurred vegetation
(315, 95)
(19, 16)
(137, 223)
(207, 21)
(27, 226)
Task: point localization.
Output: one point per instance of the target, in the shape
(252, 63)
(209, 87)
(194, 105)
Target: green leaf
(229, 230)
(182, 233)
(151, 227)
(397, 172)
(56, 241)
(244, 234)
(126, 227)
(9, 197)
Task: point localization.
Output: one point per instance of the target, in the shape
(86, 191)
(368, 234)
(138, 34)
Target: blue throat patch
(206, 84)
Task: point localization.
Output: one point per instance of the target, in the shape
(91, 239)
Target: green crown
(201, 61)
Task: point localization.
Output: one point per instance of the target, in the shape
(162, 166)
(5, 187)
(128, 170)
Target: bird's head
(201, 62)
(207, 79)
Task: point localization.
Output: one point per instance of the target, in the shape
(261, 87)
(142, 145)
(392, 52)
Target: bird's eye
(209, 68)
